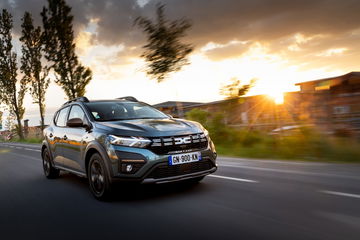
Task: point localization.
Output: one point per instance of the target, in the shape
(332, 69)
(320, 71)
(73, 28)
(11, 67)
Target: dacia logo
(182, 140)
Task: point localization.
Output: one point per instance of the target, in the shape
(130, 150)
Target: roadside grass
(27, 140)
(306, 143)
(305, 148)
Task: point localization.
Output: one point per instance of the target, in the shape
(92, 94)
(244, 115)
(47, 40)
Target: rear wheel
(99, 183)
(49, 170)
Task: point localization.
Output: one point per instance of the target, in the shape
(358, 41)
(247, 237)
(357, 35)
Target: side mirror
(75, 122)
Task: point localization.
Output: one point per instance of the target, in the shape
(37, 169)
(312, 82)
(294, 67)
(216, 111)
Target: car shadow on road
(131, 192)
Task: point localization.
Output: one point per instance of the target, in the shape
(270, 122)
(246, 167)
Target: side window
(55, 117)
(61, 118)
(77, 112)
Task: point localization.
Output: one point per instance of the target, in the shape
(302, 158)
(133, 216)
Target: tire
(49, 170)
(99, 183)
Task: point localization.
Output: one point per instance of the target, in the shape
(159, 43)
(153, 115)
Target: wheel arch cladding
(89, 153)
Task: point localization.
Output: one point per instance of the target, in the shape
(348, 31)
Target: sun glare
(277, 97)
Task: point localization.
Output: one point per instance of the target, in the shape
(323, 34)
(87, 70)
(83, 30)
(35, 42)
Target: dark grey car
(125, 140)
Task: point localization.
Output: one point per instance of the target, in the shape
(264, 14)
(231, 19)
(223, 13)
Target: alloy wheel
(97, 177)
(46, 164)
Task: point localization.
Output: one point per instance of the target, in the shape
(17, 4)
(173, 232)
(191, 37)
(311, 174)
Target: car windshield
(113, 111)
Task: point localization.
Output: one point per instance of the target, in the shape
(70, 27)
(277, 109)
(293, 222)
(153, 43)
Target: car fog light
(129, 168)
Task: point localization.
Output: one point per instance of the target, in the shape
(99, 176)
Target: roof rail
(128, 98)
(78, 99)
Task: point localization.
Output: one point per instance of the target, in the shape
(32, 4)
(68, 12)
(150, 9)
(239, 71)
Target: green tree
(198, 115)
(164, 53)
(59, 44)
(12, 91)
(31, 63)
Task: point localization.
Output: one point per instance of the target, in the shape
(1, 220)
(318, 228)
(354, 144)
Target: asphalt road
(244, 199)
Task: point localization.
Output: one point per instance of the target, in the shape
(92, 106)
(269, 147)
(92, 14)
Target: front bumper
(153, 161)
(179, 178)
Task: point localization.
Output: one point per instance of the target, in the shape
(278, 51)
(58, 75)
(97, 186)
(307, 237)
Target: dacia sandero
(125, 140)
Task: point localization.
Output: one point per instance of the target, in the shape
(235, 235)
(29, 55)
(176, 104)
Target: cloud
(300, 30)
(231, 49)
(213, 20)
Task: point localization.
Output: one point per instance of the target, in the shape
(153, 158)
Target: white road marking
(23, 148)
(230, 160)
(289, 171)
(234, 179)
(341, 194)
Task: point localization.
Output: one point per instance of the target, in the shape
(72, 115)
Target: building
(174, 108)
(333, 102)
(256, 112)
(330, 104)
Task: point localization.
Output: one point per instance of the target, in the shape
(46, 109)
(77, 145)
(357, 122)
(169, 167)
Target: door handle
(51, 135)
(65, 137)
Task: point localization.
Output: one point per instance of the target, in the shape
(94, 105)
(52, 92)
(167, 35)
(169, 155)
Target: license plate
(184, 158)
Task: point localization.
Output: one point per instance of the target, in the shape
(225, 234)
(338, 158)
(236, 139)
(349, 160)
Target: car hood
(151, 127)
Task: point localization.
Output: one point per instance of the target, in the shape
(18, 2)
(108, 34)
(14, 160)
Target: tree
(1, 119)
(12, 91)
(198, 115)
(235, 89)
(164, 53)
(34, 72)
(60, 49)
(232, 92)
(9, 122)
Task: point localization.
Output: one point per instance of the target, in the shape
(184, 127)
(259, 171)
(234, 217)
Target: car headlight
(138, 142)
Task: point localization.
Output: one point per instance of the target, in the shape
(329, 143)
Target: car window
(112, 111)
(77, 112)
(56, 117)
(61, 119)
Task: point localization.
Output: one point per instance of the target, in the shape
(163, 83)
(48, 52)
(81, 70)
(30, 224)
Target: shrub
(305, 144)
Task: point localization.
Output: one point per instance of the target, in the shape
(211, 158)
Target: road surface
(244, 199)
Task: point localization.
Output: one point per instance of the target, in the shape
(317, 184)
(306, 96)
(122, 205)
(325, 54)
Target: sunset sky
(279, 42)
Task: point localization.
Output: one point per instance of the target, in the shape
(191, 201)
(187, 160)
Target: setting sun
(277, 97)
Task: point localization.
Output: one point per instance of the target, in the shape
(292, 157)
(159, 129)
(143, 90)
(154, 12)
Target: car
(125, 140)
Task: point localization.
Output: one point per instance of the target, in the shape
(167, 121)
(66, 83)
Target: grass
(305, 143)
(309, 148)
(27, 140)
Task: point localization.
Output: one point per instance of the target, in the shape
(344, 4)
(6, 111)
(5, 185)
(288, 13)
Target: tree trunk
(20, 130)
(41, 108)
(17, 114)
(41, 105)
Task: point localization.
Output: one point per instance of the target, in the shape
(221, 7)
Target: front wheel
(49, 170)
(99, 183)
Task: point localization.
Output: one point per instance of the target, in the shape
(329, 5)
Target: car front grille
(165, 171)
(178, 144)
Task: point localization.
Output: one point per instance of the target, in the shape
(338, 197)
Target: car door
(57, 134)
(76, 140)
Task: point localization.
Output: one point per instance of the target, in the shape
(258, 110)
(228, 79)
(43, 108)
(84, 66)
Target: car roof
(86, 100)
